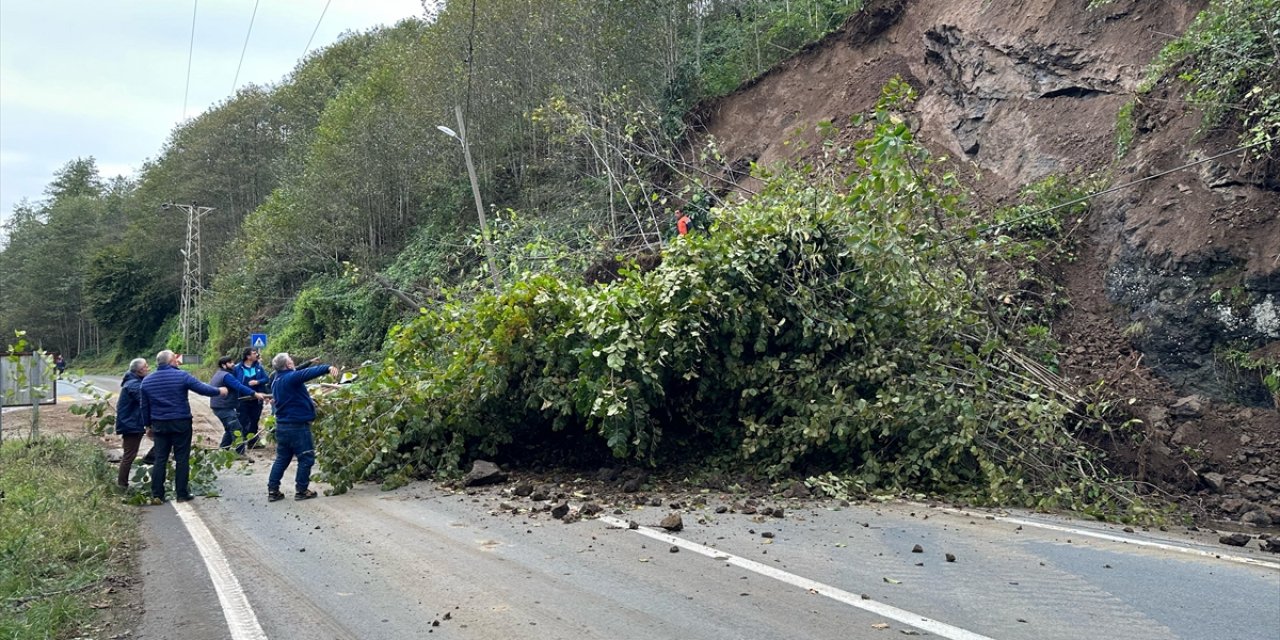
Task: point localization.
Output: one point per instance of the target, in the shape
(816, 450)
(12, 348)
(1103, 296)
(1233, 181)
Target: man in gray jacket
(164, 393)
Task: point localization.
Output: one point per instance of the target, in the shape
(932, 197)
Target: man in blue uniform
(294, 412)
(225, 407)
(252, 374)
(164, 394)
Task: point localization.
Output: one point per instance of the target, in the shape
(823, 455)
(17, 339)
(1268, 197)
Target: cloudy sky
(108, 78)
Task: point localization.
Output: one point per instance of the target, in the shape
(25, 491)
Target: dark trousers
(231, 428)
(249, 412)
(168, 438)
(131, 443)
(293, 440)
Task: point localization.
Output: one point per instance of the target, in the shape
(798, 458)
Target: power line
(246, 47)
(313, 31)
(195, 9)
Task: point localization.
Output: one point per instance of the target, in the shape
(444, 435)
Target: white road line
(854, 600)
(235, 606)
(1123, 539)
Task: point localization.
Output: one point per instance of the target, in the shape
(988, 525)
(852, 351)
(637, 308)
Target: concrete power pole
(192, 282)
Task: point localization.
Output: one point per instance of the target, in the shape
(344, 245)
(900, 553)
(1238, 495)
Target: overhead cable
(190, 50)
(236, 81)
(313, 31)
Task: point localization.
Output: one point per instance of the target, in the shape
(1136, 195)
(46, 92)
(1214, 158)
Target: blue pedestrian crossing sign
(258, 340)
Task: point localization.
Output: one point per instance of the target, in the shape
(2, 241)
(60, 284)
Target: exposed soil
(1013, 95)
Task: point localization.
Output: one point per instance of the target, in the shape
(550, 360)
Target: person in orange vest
(682, 222)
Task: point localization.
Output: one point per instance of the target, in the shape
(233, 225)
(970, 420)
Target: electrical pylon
(192, 282)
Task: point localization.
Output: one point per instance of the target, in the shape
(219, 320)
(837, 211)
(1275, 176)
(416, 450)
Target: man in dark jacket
(164, 394)
(130, 417)
(252, 374)
(226, 407)
(294, 412)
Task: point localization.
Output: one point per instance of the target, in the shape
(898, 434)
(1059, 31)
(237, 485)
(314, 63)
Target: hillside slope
(1015, 96)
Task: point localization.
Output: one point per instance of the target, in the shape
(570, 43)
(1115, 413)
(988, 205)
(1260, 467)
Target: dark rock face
(1187, 317)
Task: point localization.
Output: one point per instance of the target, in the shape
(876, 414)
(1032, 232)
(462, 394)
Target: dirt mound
(1015, 92)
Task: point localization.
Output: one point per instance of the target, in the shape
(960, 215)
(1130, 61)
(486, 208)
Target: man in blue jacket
(252, 374)
(164, 394)
(130, 417)
(294, 412)
(226, 407)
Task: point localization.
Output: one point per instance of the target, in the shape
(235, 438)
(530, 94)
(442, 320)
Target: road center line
(1165, 546)
(854, 600)
(235, 606)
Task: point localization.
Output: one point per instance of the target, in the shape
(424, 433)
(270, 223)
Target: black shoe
(186, 498)
(272, 496)
(155, 502)
(305, 495)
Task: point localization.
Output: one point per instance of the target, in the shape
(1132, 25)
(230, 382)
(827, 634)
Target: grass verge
(62, 534)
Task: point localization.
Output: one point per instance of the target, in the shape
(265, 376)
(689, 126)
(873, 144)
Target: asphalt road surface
(427, 562)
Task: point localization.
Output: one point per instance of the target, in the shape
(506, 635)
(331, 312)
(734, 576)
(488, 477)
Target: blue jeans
(293, 440)
(230, 426)
(170, 435)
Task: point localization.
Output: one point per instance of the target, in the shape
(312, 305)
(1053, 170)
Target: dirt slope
(1014, 91)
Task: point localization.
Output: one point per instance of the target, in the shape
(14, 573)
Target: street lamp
(461, 137)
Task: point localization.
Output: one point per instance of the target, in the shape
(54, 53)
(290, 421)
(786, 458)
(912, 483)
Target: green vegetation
(1125, 129)
(1231, 58)
(825, 322)
(61, 535)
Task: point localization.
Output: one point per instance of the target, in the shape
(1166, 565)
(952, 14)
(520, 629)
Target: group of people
(156, 405)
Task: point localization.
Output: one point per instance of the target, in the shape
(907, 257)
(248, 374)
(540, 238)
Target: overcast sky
(107, 78)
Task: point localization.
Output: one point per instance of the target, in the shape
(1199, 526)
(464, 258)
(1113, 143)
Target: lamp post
(461, 136)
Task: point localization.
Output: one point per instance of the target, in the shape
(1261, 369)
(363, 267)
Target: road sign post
(258, 341)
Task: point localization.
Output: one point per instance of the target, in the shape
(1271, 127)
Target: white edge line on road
(854, 600)
(235, 606)
(1122, 539)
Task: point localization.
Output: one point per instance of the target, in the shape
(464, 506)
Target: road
(425, 561)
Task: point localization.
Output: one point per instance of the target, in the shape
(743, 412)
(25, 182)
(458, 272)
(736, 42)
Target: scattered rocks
(483, 472)
(1191, 406)
(1271, 544)
(590, 509)
(1234, 540)
(672, 522)
(560, 511)
(524, 489)
(1256, 518)
(950, 557)
(917, 549)
(633, 485)
(1214, 481)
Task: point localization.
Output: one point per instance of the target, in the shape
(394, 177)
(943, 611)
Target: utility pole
(461, 136)
(192, 283)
